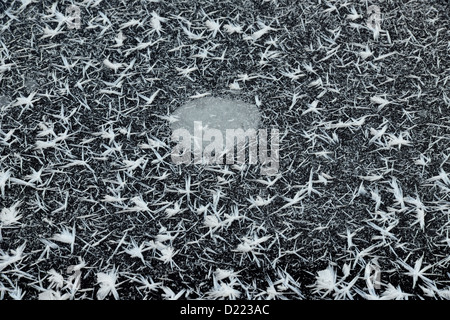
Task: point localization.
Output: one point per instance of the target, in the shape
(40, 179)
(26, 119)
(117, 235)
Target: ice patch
(217, 113)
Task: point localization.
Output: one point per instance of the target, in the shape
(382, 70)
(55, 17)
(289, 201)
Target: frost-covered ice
(92, 207)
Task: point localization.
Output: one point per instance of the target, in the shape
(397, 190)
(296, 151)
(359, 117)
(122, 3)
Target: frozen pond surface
(93, 204)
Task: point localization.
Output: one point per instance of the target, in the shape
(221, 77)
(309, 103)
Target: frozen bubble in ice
(31, 84)
(217, 113)
(4, 101)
